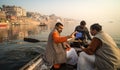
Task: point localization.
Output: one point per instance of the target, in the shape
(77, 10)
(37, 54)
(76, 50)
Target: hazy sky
(70, 8)
(102, 11)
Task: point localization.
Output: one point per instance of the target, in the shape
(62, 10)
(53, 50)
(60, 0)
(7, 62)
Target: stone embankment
(25, 20)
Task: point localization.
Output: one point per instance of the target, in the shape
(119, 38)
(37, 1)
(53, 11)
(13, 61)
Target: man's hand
(72, 35)
(66, 45)
(82, 47)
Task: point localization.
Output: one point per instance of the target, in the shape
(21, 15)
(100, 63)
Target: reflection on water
(17, 32)
(14, 53)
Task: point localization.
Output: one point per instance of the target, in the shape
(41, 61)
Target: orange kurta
(59, 39)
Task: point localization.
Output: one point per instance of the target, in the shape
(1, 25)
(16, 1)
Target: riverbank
(25, 20)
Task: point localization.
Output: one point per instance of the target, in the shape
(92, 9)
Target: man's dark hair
(96, 26)
(82, 22)
(58, 24)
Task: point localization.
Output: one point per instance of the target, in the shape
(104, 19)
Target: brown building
(2, 16)
(14, 10)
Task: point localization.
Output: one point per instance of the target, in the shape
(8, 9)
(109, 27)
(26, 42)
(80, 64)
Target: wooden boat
(39, 64)
(31, 40)
(34, 64)
(42, 24)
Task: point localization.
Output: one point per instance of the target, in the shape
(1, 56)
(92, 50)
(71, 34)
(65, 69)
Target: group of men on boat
(101, 53)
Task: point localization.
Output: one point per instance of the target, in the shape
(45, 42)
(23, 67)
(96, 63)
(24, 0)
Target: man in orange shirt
(55, 53)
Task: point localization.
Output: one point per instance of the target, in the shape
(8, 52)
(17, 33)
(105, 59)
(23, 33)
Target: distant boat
(15, 23)
(42, 24)
(3, 24)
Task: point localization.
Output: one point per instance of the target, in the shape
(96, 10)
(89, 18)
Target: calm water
(17, 33)
(15, 52)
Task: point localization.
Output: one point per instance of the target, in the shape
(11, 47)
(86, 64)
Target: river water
(15, 52)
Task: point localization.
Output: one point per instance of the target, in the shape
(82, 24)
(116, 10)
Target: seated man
(83, 30)
(102, 53)
(83, 34)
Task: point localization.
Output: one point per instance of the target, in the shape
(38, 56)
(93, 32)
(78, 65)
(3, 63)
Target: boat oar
(33, 40)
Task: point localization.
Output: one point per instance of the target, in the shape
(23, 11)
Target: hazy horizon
(76, 9)
(105, 12)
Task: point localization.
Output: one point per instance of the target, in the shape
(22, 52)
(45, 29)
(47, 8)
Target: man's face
(93, 32)
(60, 28)
(82, 26)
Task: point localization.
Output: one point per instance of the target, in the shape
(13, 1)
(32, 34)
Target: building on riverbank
(11, 13)
(2, 16)
(14, 10)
